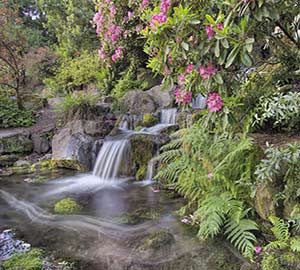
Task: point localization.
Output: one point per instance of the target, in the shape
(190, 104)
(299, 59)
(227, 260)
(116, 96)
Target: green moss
(157, 240)
(141, 173)
(139, 216)
(138, 128)
(142, 149)
(15, 144)
(55, 164)
(149, 120)
(32, 260)
(67, 206)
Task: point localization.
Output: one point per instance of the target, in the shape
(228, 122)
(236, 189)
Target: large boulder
(15, 142)
(75, 141)
(146, 102)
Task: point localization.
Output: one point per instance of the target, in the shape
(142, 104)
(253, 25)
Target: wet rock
(15, 142)
(143, 149)
(72, 147)
(8, 160)
(139, 216)
(22, 163)
(163, 97)
(184, 119)
(41, 144)
(157, 240)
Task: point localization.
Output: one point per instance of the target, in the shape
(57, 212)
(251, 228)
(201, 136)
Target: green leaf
(209, 18)
(233, 54)
(185, 46)
(246, 59)
(217, 49)
(218, 78)
(225, 43)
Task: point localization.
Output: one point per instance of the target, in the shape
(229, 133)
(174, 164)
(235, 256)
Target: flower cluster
(210, 31)
(182, 96)
(162, 16)
(214, 102)
(207, 72)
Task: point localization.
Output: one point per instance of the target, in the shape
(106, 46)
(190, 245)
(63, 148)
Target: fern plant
(214, 171)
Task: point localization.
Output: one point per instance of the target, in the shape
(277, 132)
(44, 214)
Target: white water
(150, 170)
(110, 158)
(168, 116)
(199, 102)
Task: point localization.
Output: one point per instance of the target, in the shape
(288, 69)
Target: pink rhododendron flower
(207, 72)
(214, 102)
(114, 58)
(130, 14)
(155, 190)
(258, 250)
(101, 54)
(189, 68)
(182, 96)
(191, 38)
(210, 31)
(144, 4)
(220, 26)
(181, 78)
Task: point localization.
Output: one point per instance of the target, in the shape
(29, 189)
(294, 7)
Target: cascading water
(110, 158)
(168, 116)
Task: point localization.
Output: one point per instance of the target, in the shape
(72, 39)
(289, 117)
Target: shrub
(32, 260)
(11, 115)
(281, 165)
(280, 110)
(75, 73)
(67, 206)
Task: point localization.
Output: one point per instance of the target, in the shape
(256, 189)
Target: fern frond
(240, 234)
(169, 156)
(295, 244)
(174, 144)
(280, 228)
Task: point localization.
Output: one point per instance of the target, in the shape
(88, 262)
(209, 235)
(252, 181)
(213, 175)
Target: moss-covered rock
(149, 120)
(67, 206)
(265, 201)
(8, 160)
(32, 260)
(141, 173)
(157, 240)
(139, 215)
(15, 143)
(143, 148)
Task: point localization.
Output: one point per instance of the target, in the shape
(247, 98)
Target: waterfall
(199, 102)
(168, 116)
(110, 159)
(150, 170)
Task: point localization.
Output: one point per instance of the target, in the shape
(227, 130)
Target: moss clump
(157, 240)
(32, 260)
(138, 128)
(149, 120)
(141, 173)
(55, 164)
(139, 216)
(67, 206)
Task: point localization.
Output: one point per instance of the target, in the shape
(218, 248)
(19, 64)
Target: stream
(123, 224)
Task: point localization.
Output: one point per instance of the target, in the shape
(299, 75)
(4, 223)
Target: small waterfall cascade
(110, 159)
(150, 170)
(128, 121)
(199, 102)
(168, 116)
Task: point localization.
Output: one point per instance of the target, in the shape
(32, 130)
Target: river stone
(8, 160)
(146, 102)
(72, 146)
(15, 142)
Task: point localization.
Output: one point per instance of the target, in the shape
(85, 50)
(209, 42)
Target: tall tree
(12, 71)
